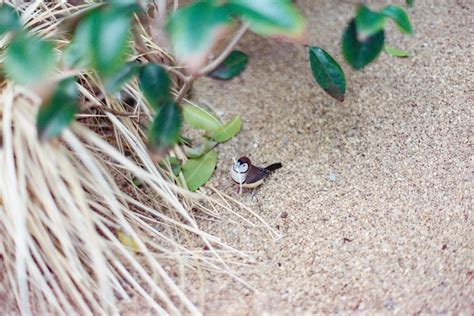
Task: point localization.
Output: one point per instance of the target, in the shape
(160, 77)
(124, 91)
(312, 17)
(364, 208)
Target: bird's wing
(255, 174)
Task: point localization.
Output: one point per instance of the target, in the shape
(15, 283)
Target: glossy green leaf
(29, 59)
(114, 82)
(198, 171)
(396, 52)
(274, 18)
(74, 56)
(9, 19)
(327, 73)
(102, 37)
(78, 53)
(194, 30)
(358, 53)
(59, 111)
(199, 150)
(165, 128)
(228, 131)
(199, 118)
(368, 22)
(232, 66)
(155, 84)
(399, 16)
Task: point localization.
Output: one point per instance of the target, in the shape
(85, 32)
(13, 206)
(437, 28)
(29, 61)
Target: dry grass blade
(64, 203)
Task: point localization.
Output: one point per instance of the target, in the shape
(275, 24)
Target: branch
(211, 66)
(230, 47)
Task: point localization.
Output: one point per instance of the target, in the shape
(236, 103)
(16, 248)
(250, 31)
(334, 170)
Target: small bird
(247, 175)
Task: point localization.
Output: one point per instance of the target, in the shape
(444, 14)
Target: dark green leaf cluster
(362, 41)
(100, 42)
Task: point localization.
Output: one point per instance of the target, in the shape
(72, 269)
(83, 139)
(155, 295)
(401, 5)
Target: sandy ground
(374, 202)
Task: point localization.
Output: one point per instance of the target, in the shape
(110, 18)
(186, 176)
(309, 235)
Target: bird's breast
(237, 176)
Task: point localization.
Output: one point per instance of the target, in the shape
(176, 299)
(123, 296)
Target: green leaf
(198, 171)
(164, 131)
(59, 111)
(274, 18)
(409, 3)
(368, 22)
(155, 84)
(78, 53)
(228, 131)
(9, 19)
(114, 82)
(396, 52)
(173, 164)
(199, 150)
(194, 30)
(360, 53)
(102, 38)
(327, 73)
(123, 3)
(29, 59)
(399, 16)
(232, 66)
(199, 118)
(74, 55)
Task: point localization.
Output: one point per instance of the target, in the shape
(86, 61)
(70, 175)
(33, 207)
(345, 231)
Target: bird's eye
(245, 167)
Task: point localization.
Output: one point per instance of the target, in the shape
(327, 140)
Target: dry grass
(64, 204)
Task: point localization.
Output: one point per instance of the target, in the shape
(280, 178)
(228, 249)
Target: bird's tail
(274, 166)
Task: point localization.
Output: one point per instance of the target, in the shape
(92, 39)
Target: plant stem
(211, 66)
(230, 47)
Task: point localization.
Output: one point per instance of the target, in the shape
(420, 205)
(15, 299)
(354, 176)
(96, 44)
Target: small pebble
(332, 177)
(284, 215)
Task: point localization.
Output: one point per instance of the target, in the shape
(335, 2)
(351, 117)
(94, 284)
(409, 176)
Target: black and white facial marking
(239, 170)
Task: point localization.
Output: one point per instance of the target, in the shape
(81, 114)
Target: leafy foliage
(399, 16)
(115, 81)
(198, 171)
(327, 73)
(155, 84)
(396, 52)
(359, 53)
(164, 131)
(9, 19)
(108, 41)
(228, 131)
(100, 43)
(201, 149)
(29, 59)
(232, 66)
(199, 118)
(368, 22)
(194, 30)
(57, 112)
(275, 18)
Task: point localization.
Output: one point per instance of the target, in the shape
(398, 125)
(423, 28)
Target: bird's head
(242, 165)
(239, 169)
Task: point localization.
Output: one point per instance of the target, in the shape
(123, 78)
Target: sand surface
(374, 203)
